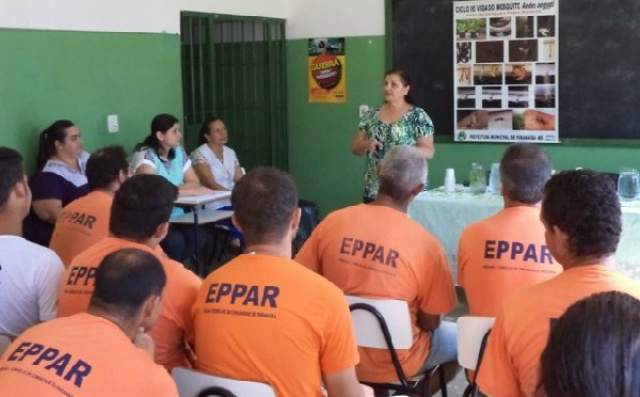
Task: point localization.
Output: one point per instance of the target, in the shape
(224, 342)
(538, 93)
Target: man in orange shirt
(582, 221)
(507, 252)
(85, 221)
(263, 317)
(375, 250)
(140, 219)
(102, 352)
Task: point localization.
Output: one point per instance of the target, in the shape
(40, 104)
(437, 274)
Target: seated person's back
(93, 354)
(262, 316)
(148, 197)
(29, 273)
(375, 250)
(507, 252)
(85, 221)
(582, 219)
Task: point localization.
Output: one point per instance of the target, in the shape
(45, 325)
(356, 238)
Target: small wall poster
(327, 70)
(506, 71)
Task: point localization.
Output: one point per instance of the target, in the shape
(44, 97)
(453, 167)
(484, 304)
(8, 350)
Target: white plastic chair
(386, 324)
(5, 341)
(192, 383)
(471, 332)
(472, 335)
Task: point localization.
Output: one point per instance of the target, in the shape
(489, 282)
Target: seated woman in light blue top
(160, 153)
(217, 165)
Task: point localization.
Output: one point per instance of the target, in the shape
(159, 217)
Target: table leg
(201, 268)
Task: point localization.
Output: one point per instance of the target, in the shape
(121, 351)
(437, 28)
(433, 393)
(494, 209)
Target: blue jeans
(444, 345)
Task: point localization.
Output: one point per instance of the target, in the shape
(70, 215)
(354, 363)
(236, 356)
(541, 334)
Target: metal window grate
(234, 68)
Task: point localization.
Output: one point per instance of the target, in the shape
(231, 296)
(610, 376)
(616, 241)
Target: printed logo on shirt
(62, 364)
(78, 218)
(82, 276)
(367, 250)
(242, 296)
(514, 250)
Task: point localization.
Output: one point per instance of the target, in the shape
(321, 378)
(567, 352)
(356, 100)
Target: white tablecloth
(445, 215)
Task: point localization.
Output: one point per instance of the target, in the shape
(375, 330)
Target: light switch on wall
(112, 123)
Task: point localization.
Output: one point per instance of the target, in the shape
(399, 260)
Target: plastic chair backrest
(471, 331)
(190, 383)
(5, 341)
(367, 328)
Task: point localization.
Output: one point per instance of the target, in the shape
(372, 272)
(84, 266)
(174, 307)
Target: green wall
(84, 77)
(319, 134)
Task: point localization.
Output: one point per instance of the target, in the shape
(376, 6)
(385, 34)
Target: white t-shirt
(223, 171)
(29, 278)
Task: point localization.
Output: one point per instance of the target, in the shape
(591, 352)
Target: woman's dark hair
(404, 77)
(56, 132)
(594, 349)
(162, 122)
(205, 128)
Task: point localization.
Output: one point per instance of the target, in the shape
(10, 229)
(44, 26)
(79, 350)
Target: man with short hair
(263, 317)
(29, 273)
(582, 221)
(104, 352)
(376, 250)
(85, 221)
(140, 219)
(507, 252)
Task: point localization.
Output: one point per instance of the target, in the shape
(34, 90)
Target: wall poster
(327, 70)
(506, 71)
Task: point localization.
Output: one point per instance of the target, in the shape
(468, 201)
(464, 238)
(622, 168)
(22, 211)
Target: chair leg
(443, 381)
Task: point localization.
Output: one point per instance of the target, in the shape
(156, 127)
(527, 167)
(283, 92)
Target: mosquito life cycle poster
(506, 71)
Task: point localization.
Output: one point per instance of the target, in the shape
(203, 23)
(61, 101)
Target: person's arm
(426, 146)
(429, 322)
(191, 185)
(361, 145)
(47, 280)
(343, 384)
(48, 210)
(238, 174)
(203, 172)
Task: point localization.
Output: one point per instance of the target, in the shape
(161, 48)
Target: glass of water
(629, 183)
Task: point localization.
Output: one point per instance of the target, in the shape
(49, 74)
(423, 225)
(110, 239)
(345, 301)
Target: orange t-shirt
(510, 364)
(80, 356)
(175, 325)
(502, 254)
(268, 319)
(82, 223)
(378, 252)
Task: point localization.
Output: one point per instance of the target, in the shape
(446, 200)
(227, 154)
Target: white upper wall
(336, 18)
(148, 16)
(305, 18)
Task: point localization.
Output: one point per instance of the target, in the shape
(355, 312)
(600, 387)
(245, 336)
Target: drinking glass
(629, 183)
(477, 179)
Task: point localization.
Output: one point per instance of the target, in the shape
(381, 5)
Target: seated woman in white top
(161, 153)
(217, 165)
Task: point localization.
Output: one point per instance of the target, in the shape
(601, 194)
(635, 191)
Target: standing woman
(59, 179)
(396, 122)
(160, 153)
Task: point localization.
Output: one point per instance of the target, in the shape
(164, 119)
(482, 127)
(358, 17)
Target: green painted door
(234, 68)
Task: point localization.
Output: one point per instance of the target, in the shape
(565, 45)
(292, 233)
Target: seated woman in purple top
(59, 179)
